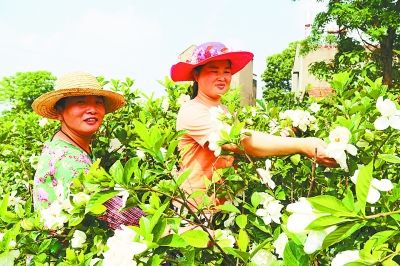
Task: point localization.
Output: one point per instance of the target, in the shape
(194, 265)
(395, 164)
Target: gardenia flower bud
(263, 258)
(78, 239)
(80, 198)
(265, 174)
(224, 238)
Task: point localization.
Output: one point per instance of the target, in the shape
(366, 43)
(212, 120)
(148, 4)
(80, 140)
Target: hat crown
(207, 50)
(77, 80)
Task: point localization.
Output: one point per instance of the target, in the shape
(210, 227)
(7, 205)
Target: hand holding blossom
(316, 148)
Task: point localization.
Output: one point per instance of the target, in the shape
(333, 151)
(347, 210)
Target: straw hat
(75, 84)
(206, 52)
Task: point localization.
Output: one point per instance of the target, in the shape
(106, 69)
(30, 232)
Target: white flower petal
(373, 195)
(382, 185)
(394, 121)
(351, 149)
(381, 123)
(345, 257)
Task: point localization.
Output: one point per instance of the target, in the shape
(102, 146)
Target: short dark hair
(60, 104)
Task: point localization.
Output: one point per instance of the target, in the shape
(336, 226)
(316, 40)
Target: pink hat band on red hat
(204, 53)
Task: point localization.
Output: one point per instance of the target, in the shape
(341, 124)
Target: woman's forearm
(260, 144)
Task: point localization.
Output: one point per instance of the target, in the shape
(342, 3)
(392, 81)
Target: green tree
(371, 24)
(278, 71)
(24, 87)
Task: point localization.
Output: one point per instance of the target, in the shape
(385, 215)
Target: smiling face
(214, 78)
(82, 115)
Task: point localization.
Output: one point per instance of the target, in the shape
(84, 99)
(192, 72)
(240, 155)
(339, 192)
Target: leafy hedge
(283, 211)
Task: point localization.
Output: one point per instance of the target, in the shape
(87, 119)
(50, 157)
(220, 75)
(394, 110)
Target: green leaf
(196, 238)
(243, 240)
(244, 256)
(182, 178)
(95, 204)
(228, 207)
(295, 159)
(363, 184)
(293, 255)
(130, 167)
(241, 221)
(390, 158)
(325, 221)
(174, 241)
(255, 199)
(341, 233)
(348, 200)
(156, 216)
(117, 172)
(330, 204)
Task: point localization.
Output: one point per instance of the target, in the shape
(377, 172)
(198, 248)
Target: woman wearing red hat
(211, 68)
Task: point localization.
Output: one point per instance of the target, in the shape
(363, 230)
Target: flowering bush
(283, 211)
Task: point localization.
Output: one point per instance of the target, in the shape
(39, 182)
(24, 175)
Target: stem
(381, 214)
(185, 203)
(314, 166)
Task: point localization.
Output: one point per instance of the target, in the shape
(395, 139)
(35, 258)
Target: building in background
(302, 80)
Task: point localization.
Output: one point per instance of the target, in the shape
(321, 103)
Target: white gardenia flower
(53, 216)
(43, 121)
(115, 144)
(122, 247)
(376, 186)
(124, 194)
(280, 244)
(183, 98)
(271, 209)
(224, 238)
(339, 145)
(165, 104)
(231, 219)
(140, 154)
(344, 257)
(78, 239)
(315, 107)
(300, 118)
(316, 238)
(263, 258)
(390, 116)
(302, 215)
(265, 174)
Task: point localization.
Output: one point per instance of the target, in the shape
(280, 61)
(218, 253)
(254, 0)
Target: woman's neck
(207, 99)
(82, 142)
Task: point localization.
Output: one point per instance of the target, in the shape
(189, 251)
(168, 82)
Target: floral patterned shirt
(59, 162)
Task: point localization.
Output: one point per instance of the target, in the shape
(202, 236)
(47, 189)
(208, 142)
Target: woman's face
(214, 78)
(83, 114)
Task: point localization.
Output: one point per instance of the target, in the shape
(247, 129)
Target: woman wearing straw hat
(79, 103)
(211, 67)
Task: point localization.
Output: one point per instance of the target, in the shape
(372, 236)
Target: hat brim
(44, 105)
(184, 71)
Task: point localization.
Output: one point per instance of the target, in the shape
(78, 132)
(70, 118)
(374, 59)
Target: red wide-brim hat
(204, 53)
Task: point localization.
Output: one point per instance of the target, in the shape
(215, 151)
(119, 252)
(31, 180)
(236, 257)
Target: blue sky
(140, 39)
